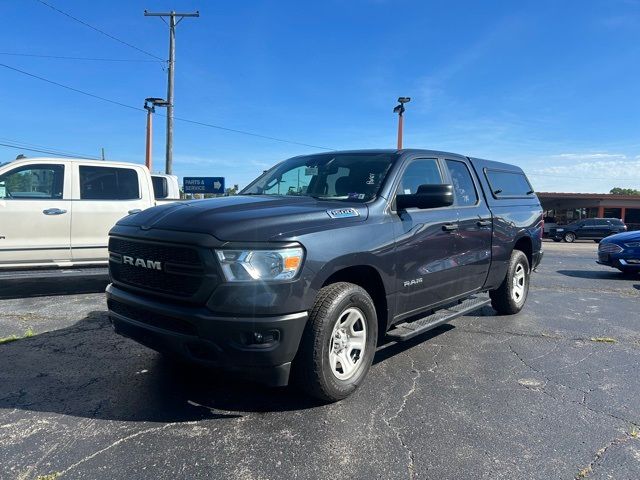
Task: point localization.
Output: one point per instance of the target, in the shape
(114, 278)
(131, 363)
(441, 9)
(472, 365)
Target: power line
(186, 120)
(69, 88)
(35, 145)
(98, 30)
(62, 57)
(18, 147)
(203, 124)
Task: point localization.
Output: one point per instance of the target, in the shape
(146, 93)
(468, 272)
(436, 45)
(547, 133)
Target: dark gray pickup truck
(321, 259)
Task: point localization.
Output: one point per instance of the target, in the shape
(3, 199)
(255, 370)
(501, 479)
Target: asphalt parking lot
(553, 392)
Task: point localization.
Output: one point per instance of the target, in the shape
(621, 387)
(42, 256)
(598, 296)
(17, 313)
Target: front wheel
(338, 343)
(569, 237)
(511, 295)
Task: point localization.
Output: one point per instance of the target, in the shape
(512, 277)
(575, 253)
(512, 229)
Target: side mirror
(427, 196)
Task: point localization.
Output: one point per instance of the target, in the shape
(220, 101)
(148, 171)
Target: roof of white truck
(29, 160)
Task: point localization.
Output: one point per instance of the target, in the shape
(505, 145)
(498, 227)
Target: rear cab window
(108, 183)
(508, 184)
(463, 186)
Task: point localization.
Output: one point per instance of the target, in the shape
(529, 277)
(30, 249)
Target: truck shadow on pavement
(86, 370)
(598, 274)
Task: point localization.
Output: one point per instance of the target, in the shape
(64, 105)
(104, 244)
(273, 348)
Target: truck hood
(245, 218)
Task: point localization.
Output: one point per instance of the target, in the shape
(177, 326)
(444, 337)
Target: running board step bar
(405, 331)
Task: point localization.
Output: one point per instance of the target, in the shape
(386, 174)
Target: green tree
(624, 191)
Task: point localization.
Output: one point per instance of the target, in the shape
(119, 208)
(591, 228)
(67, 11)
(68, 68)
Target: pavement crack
(585, 472)
(389, 421)
(115, 444)
(547, 380)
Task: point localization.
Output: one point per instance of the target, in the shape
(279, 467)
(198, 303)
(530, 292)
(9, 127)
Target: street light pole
(170, 76)
(150, 105)
(400, 110)
(147, 157)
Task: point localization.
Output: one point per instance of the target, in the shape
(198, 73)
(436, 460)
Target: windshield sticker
(372, 179)
(311, 171)
(356, 196)
(343, 213)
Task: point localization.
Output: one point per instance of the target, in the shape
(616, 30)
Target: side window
(508, 184)
(108, 183)
(160, 187)
(463, 185)
(419, 172)
(33, 182)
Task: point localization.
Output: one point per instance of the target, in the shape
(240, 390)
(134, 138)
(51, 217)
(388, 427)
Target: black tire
(569, 237)
(312, 370)
(502, 298)
(558, 240)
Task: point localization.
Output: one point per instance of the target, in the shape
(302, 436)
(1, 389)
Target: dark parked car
(320, 258)
(621, 251)
(588, 229)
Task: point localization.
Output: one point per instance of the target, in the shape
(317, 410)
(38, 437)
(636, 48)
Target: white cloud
(600, 169)
(590, 156)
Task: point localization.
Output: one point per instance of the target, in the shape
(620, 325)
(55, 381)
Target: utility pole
(400, 110)
(170, 74)
(102, 153)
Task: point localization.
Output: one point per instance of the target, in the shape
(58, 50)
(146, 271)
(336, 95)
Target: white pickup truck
(57, 212)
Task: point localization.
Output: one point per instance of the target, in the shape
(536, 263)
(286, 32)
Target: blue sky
(549, 85)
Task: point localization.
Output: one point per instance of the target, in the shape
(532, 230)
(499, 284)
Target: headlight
(632, 244)
(251, 265)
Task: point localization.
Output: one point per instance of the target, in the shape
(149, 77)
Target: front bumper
(258, 347)
(619, 261)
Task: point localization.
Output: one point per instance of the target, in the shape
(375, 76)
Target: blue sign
(203, 184)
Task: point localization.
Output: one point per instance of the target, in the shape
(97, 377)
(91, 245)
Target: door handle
(449, 227)
(54, 211)
(484, 223)
(135, 210)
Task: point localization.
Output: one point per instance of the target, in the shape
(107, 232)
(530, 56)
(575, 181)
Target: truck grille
(180, 271)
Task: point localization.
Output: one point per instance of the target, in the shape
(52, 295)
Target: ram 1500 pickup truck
(323, 257)
(57, 212)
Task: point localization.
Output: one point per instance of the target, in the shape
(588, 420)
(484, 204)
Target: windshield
(338, 176)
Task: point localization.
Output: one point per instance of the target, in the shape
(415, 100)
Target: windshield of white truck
(345, 176)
